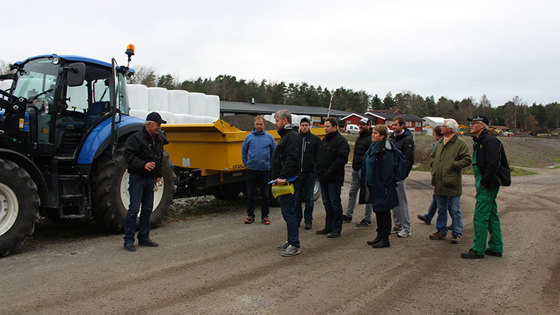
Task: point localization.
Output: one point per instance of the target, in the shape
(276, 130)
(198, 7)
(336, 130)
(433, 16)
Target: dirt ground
(215, 264)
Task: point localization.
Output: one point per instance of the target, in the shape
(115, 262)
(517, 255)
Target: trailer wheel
(316, 190)
(19, 206)
(111, 198)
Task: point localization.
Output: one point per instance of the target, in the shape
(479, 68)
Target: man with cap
(360, 147)
(144, 156)
(304, 188)
(491, 170)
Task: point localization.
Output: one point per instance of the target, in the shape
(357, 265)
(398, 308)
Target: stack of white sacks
(174, 106)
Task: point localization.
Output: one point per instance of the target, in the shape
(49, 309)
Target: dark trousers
(304, 192)
(330, 194)
(257, 179)
(383, 223)
(141, 190)
(289, 214)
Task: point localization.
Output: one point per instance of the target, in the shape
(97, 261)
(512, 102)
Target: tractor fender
(31, 168)
(99, 138)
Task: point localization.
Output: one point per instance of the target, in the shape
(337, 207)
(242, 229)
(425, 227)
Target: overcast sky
(455, 49)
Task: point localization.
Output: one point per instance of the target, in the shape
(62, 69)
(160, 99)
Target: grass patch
(516, 171)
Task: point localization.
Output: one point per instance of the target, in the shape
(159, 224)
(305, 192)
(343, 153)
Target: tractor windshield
(37, 79)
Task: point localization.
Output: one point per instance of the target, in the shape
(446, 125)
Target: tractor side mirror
(76, 74)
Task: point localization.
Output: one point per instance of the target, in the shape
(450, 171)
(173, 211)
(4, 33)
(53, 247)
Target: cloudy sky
(455, 49)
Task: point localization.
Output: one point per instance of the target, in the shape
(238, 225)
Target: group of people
(300, 158)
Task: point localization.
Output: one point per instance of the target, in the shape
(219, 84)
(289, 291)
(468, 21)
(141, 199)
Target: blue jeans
(257, 179)
(330, 194)
(141, 190)
(432, 210)
(304, 192)
(289, 214)
(453, 205)
(354, 188)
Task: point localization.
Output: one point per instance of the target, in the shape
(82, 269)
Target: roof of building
(391, 115)
(353, 114)
(258, 108)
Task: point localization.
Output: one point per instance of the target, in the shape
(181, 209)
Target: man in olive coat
(450, 155)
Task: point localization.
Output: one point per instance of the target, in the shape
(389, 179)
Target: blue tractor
(63, 125)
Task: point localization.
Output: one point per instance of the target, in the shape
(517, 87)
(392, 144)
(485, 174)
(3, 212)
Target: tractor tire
(19, 206)
(110, 192)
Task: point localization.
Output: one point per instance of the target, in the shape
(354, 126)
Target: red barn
(385, 117)
(352, 119)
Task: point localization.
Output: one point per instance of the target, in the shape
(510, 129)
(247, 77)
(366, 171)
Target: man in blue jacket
(257, 151)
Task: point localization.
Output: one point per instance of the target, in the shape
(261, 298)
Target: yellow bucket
(278, 190)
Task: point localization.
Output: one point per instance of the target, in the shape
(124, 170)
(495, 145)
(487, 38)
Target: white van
(352, 129)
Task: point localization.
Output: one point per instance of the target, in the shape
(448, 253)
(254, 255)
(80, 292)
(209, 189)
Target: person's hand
(149, 166)
(281, 181)
(159, 181)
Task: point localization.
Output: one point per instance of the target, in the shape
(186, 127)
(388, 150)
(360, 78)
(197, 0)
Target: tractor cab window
(37, 79)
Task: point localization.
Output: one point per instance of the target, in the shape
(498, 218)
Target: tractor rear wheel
(19, 206)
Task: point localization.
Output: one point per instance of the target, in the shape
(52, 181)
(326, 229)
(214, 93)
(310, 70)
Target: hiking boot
(333, 235)
(291, 251)
(148, 243)
(471, 254)
(383, 242)
(130, 247)
(322, 232)
(283, 246)
(308, 225)
(395, 230)
(423, 219)
(346, 218)
(265, 221)
(492, 253)
(363, 223)
(404, 233)
(249, 220)
(450, 227)
(438, 236)
(455, 239)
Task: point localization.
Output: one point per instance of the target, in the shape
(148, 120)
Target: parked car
(352, 129)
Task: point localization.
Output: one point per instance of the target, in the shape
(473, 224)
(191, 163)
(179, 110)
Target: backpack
(399, 165)
(503, 173)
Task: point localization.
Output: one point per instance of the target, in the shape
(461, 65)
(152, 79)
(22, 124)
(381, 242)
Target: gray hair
(284, 113)
(451, 124)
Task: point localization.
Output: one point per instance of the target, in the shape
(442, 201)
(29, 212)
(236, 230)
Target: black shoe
(308, 225)
(491, 253)
(130, 247)
(148, 243)
(471, 254)
(423, 219)
(376, 240)
(333, 235)
(382, 244)
(346, 218)
(322, 232)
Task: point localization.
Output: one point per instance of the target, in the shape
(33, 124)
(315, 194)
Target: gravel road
(215, 264)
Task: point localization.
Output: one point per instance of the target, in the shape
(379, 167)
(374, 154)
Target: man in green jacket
(450, 155)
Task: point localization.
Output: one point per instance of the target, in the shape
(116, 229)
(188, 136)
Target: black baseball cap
(482, 118)
(305, 119)
(155, 117)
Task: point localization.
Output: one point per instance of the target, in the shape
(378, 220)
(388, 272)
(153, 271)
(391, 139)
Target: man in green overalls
(491, 170)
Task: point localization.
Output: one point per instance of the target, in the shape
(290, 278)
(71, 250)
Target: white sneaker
(395, 230)
(291, 251)
(403, 233)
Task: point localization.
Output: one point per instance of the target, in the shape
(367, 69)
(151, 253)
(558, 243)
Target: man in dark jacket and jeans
(491, 170)
(304, 188)
(405, 143)
(286, 164)
(360, 147)
(144, 155)
(333, 153)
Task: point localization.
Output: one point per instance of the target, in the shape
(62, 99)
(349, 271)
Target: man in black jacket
(405, 143)
(491, 170)
(304, 188)
(285, 164)
(360, 147)
(333, 153)
(144, 155)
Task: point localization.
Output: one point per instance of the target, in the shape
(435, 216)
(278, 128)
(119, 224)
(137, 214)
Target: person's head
(153, 123)
(478, 124)
(331, 125)
(363, 124)
(398, 124)
(379, 132)
(259, 123)
(304, 125)
(449, 127)
(282, 117)
(437, 132)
